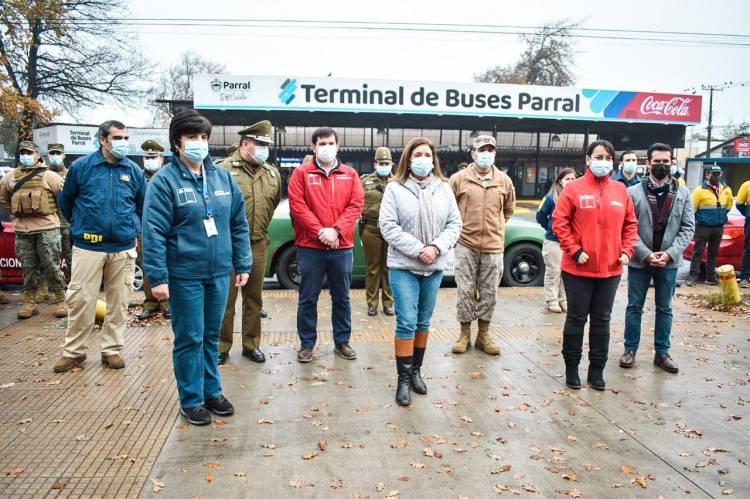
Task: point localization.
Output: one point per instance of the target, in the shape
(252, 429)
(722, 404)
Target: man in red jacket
(596, 224)
(325, 200)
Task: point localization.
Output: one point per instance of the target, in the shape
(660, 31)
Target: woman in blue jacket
(195, 234)
(554, 292)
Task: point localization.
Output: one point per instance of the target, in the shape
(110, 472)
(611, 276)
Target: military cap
(152, 148)
(383, 154)
(484, 140)
(261, 131)
(27, 145)
(56, 148)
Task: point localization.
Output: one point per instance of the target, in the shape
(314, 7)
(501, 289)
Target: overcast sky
(607, 64)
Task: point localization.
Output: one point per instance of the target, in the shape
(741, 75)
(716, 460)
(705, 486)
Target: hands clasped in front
(329, 236)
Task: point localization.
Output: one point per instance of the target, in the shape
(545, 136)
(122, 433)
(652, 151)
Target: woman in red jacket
(595, 222)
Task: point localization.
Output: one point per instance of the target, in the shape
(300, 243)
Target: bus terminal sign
(229, 92)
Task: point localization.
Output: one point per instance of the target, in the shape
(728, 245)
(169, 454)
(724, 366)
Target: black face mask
(660, 171)
(714, 179)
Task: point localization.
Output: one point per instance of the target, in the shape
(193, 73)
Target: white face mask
(601, 167)
(327, 153)
(152, 165)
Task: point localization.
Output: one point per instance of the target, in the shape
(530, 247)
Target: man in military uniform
(56, 163)
(29, 192)
(260, 184)
(153, 159)
(376, 249)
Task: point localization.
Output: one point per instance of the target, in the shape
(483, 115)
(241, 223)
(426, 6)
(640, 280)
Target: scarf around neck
(660, 215)
(426, 229)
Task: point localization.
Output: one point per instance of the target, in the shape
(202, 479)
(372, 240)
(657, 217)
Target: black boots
(417, 383)
(596, 377)
(572, 380)
(403, 392)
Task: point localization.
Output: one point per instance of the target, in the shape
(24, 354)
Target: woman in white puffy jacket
(420, 221)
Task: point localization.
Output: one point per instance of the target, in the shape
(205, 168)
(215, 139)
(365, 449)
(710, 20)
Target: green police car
(524, 265)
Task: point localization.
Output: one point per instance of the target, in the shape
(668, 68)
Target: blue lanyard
(206, 198)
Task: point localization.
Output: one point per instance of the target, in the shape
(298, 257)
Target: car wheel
(287, 269)
(138, 278)
(523, 266)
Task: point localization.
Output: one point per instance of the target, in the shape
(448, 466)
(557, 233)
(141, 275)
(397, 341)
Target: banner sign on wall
(233, 92)
(81, 139)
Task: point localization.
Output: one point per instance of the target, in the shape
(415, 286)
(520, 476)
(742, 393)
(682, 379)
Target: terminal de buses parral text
(453, 98)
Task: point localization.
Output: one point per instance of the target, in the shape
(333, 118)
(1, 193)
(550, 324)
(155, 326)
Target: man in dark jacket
(666, 225)
(325, 200)
(627, 175)
(103, 200)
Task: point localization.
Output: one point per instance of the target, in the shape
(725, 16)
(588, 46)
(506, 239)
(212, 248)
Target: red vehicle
(732, 244)
(10, 266)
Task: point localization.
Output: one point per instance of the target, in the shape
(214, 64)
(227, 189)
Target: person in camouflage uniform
(153, 159)
(260, 184)
(29, 192)
(56, 162)
(376, 249)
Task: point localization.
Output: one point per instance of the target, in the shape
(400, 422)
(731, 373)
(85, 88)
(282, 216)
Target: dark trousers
(711, 236)
(745, 271)
(588, 297)
(314, 266)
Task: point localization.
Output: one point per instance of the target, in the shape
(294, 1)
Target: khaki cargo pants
(477, 279)
(90, 270)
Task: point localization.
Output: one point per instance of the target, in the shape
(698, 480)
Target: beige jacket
(484, 209)
(29, 224)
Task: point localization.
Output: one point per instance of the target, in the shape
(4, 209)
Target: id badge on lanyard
(209, 223)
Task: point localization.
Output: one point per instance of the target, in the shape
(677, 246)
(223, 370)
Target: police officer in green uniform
(260, 184)
(153, 159)
(376, 249)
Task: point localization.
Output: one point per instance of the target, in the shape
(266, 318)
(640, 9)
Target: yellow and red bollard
(730, 291)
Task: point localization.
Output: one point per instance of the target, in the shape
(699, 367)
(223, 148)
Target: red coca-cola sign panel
(663, 107)
(742, 144)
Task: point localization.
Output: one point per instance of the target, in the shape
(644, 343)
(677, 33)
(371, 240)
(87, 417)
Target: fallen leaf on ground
(380, 487)
(298, 484)
(209, 477)
(570, 492)
(572, 438)
(476, 375)
(240, 473)
(15, 472)
(25, 421)
(60, 485)
(418, 465)
(628, 469)
(394, 493)
(336, 484)
(727, 492)
(502, 469)
(347, 445)
(569, 475)
(640, 481)
(212, 464)
(309, 455)
(270, 446)
(322, 445)
(158, 486)
(400, 444)
(264, 421)
(465, 419)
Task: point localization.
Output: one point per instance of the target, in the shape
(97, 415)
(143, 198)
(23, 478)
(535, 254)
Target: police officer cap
(383, 154)
(484, 140)
(56, 148)
(152, 148)
(27, 145)
(261, 131)
(714, 168)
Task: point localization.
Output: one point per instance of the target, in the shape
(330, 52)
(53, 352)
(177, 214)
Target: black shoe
(255, 355)
(223, 358)
(167, 314)
(263, 314)
(305, 354)
(415, 375)
(146, 314)
(596, 378)
(627, 360)
(372, 311)
(346, 351)
(666, 363)
(219, 406)
(572, 380)
(389, 311)
(197, 416)
(404, 368)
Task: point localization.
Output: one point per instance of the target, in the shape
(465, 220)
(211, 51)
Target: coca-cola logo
(674, 106)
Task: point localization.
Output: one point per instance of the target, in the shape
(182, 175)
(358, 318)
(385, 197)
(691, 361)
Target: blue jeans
(197, 311)
(414, 298)
(664, 286)
(314, 265)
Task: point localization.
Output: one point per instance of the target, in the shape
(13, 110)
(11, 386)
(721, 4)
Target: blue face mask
(421, 166)
(628, 168)
(486, 159)
(383, 171)
(261, 154)
(26, 159)
(600, 167)
(119, 148)
(55, 159)
(195, 150)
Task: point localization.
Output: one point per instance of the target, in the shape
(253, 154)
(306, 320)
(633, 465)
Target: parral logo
(288, 89)
(229, 86)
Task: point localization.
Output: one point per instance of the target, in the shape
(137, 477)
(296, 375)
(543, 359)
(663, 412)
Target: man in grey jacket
(666, 224)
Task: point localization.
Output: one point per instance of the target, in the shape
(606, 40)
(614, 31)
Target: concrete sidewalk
(330, 428)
